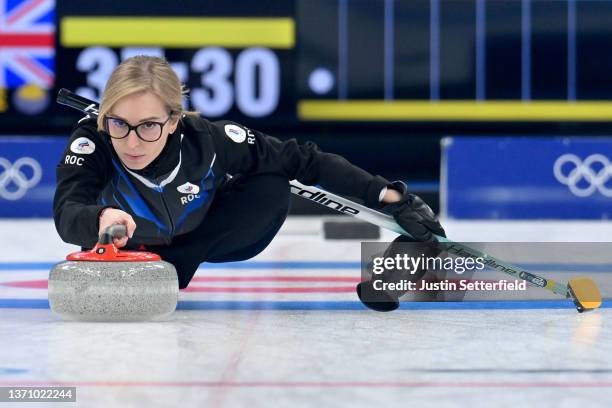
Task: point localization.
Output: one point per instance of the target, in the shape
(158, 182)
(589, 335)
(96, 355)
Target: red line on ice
(31, 284)
(43, 284)
(276, 279)
(212, 289)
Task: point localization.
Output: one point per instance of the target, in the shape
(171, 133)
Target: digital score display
(286, 63)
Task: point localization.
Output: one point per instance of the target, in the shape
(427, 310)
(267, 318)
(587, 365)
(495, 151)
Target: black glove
(413, 215)
(385, 300)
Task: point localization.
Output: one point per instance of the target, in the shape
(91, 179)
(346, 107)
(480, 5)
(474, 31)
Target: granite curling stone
(106, 284)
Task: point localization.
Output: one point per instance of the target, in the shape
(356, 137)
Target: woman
(192, 190)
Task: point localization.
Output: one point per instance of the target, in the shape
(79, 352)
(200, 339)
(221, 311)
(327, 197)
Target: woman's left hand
(412, 213)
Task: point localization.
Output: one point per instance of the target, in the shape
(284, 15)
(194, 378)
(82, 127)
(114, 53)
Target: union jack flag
(27, 50)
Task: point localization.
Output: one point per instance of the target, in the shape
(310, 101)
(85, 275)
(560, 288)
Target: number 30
(256, 90)
(217, 97)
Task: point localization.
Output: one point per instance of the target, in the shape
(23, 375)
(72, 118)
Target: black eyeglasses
(148, 131)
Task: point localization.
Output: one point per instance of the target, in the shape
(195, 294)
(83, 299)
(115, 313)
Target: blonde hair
(143, 73)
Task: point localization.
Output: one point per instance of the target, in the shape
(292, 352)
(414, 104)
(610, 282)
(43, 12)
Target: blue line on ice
(332, 305)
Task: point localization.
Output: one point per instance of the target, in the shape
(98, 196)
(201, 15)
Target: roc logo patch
(188, 188)
(236, 133)
(82, 145)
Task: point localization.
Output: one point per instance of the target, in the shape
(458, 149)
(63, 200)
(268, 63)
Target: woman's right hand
(112, 216)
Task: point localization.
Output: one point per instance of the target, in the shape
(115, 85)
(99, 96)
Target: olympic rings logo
(595, 170)
(12, 173)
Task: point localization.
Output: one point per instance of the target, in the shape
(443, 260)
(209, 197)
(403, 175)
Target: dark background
(407, 150)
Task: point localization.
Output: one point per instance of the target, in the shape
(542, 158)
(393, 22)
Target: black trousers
(243, 219)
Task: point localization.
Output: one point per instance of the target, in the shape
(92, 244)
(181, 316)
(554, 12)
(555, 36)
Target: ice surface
(286, 329)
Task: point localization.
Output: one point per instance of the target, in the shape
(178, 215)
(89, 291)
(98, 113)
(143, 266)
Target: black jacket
(171, 196)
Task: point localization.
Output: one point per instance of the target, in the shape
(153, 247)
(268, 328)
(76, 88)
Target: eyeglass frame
(135, 128)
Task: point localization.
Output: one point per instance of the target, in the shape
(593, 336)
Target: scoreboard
(233, 58)
(287, 63)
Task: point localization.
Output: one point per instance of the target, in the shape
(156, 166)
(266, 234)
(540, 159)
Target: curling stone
(106, 284)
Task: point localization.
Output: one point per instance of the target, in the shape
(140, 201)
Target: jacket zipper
(172, 226)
